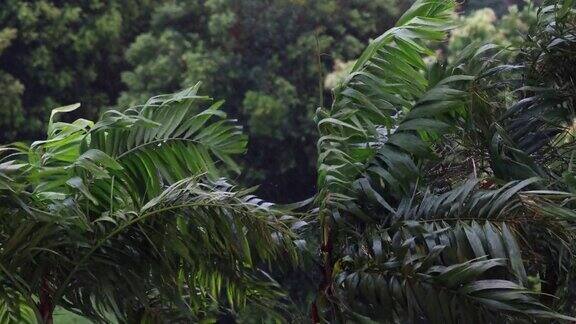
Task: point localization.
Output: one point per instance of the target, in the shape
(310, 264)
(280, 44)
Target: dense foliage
(55, 52)
(128, 217)
(262, 56)
(445, 187)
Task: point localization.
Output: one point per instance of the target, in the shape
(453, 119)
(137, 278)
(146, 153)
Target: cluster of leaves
(129, 219)
(445, 187)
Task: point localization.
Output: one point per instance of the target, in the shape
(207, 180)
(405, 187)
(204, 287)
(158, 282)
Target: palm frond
(385, 82)
(412, 291)
(129, 216)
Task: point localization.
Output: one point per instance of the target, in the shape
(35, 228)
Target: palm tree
(446, 189)
(129, 219)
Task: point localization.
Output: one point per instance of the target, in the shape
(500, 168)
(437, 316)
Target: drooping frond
(129, 156)
(383, 86)
(198, 238)
(456, 257)
(414, 289)
(129, 216)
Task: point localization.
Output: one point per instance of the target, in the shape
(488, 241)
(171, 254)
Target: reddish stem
(314, 314)
(46, 306)
(325, 287)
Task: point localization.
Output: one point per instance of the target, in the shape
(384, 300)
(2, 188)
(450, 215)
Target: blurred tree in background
(11, 113)
(499, 6)
(58, 52)
(483, 25)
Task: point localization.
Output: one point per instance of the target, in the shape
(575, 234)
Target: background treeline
(262, 56)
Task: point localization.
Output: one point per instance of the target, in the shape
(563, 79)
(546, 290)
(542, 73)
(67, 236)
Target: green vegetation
(445, 182)
(63, 316)
(120, 53)
(444, 187)
(263, 59)
(129, 216)
(484, 26)
(55, 52)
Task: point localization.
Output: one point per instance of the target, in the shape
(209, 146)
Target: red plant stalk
(46, 305)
